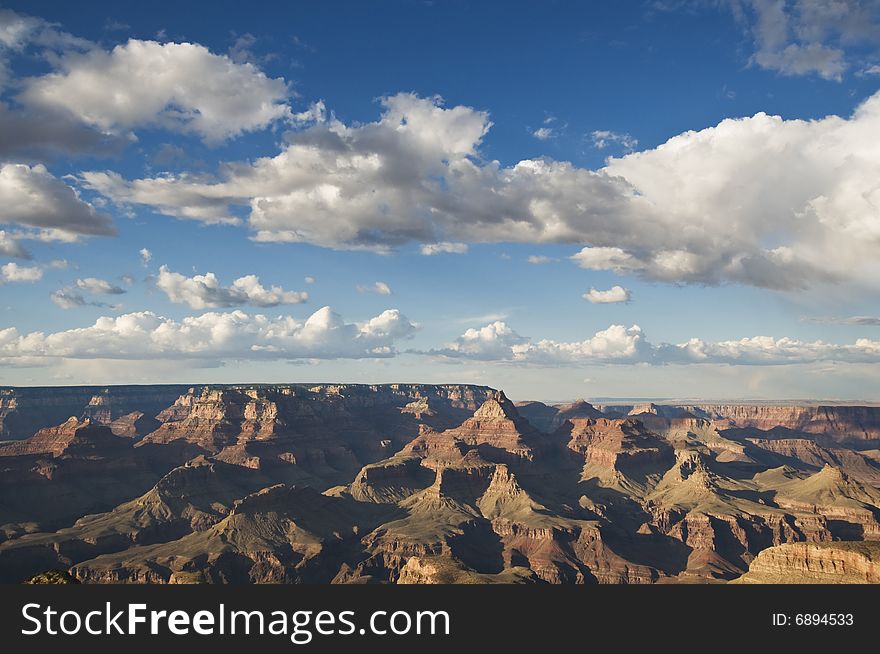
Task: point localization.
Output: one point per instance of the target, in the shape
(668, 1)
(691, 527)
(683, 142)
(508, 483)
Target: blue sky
(706, 169)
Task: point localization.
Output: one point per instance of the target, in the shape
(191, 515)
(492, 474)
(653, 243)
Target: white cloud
(620, 344)
(606, 258)
(12, 272)
(206, 292)
(380, 288)
(760, 200)
(49, 235)
(797, 59)
(551, 129)
(430, 249)
(10, 247)
(214, 336)
(801, 37)
(309, 280)
(71, 297)
(33, 197)
(97, 286)
(241, 50)
(181, 87)
(19, 30)
(67, 298)
(805, 37)
(539, 259)
(494, 341)
(146, 256)
(612, 295)
(34, 133)
(370, 186)
(602, 138)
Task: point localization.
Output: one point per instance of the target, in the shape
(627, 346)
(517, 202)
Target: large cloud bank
(761, 200)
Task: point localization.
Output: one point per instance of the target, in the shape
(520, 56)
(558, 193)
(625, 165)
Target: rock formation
(73, 437)
(411, 483)
(24, 411)
(816, 563)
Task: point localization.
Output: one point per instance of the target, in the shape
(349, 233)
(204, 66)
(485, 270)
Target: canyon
(419, 483)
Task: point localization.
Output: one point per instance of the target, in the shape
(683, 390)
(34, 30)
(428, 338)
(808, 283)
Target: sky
(643, 199)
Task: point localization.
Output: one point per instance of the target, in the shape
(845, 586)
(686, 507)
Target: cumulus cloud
(32, 197)
(540, 259)
(35, 134)
(629, 345)
(181, 87)
(430, 249)
(206, 291)
(732, 215)
(10, 247)
(603, 138)
(380, 288)
(495, 341)
(370, 186)
(214, 336)
(611, 296)
(760, 200)
(309, 279)
(12, 272)
(146, 256)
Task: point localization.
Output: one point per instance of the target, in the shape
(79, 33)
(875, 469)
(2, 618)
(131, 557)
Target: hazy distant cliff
(23, 411)
(839, 423)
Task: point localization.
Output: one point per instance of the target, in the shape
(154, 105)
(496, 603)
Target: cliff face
(550, 418)
(24, 411)
(330, 431)
(614, 449)
(73, 437)
(496, 429)
(64, 472)
(857, 425)
(816, 563)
